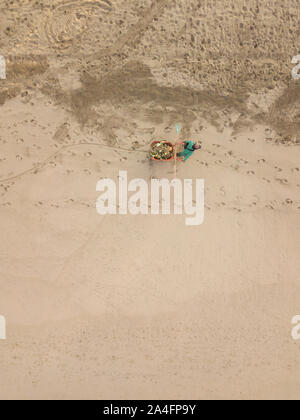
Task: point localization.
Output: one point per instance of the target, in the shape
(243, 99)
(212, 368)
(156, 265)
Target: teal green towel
(188, 151)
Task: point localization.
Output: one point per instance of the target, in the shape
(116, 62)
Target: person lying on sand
(189, 148)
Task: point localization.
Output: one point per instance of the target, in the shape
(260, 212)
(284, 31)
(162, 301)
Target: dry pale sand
(129, 307)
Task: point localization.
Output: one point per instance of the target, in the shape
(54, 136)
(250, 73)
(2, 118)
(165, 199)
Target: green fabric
(188, 151)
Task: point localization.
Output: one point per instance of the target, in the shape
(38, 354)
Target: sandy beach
(145, 307)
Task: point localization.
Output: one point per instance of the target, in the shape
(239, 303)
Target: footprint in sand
(289, 201)
(269, 206)
(282, 181)
(230, 153)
